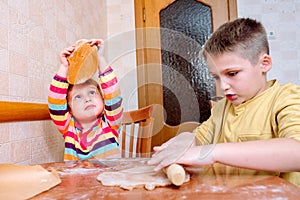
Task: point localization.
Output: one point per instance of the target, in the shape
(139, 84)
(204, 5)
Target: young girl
(87, 118)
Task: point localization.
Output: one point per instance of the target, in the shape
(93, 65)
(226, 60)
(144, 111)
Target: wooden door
(149, 52)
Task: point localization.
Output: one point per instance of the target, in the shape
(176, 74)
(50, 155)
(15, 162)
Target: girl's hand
(97, 42)
(102, 61)
(66, 53)
(64, 63)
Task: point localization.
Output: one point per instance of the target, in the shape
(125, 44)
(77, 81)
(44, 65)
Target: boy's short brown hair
(244, 36)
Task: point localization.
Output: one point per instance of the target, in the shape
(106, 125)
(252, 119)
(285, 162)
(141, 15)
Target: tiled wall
(32, 34)
(282, 19)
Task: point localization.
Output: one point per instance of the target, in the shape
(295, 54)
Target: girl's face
(237, 78)
(85, 102)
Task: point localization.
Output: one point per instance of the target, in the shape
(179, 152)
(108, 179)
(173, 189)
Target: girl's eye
(92, 92)
(77, 97)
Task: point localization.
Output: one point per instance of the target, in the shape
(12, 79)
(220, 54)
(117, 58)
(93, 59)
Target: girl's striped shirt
(102, 139)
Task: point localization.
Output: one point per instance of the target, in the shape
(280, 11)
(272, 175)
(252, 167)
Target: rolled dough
(136, 177)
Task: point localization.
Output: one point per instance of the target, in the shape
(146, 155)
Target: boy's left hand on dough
(172, 151)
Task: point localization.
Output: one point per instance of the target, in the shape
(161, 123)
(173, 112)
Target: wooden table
(79, 182)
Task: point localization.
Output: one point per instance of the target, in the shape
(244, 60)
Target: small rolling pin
(176, 174)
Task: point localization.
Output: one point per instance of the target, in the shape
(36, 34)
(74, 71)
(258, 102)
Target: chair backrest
(136, 132)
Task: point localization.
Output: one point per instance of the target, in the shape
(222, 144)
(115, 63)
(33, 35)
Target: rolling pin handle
(176, 174)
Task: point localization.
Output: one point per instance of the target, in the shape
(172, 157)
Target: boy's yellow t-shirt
(275, 113)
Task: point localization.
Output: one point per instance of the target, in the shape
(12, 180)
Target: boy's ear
(265, 63)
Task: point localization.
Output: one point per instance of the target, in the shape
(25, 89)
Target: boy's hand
(172, 151)
(182, 149)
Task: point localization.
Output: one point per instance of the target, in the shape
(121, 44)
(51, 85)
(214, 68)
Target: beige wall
(282, 18)
(122, 49)
(32, 33)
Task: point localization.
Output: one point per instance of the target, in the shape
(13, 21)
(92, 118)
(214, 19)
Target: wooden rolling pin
(176, 174)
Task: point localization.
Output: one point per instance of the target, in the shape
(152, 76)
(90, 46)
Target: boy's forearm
(280, 154)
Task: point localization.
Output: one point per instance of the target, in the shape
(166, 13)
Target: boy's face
(85, 102)
(237, 78)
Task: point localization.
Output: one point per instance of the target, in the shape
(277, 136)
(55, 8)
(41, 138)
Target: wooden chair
(136, 132)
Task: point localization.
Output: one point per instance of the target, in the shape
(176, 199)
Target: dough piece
(83, 63)
(23, 182)
(136, 177)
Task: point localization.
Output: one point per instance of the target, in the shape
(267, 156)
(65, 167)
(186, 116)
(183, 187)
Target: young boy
(257, 125)
(88, 119)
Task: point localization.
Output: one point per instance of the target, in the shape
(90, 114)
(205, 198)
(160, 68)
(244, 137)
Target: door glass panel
(187, 84)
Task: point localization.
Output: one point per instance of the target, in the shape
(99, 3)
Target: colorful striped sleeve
(57, 103)
(112, 98)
